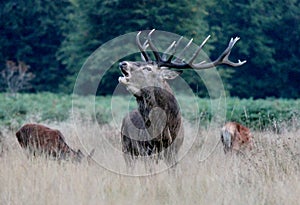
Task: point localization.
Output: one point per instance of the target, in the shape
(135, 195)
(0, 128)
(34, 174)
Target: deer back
(39, 139)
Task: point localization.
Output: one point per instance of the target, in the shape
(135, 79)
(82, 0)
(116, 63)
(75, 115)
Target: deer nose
(123, 64)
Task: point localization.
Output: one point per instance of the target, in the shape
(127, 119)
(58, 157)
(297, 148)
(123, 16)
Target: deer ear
(169, 74)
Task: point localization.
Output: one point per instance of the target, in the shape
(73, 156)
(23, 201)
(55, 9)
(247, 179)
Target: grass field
(270, 174)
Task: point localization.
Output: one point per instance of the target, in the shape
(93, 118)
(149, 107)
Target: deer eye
(147, 68)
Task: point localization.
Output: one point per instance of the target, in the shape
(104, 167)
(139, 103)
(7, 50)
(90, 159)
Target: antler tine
(198, 50)
(145, 46)
(175, 48)
(153, 48)
(222, 59)
(183, 50)
(142, 47)
(164, 57)
(227, 52)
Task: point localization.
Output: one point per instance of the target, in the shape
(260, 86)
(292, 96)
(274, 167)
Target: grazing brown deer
(155, 127)
(39, 139)
(237, 137)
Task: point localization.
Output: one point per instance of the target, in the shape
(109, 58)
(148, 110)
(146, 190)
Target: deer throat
(161, 103)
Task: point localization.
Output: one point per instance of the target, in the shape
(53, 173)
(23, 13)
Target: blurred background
(46, 42)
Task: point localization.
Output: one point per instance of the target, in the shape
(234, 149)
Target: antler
(180, 63)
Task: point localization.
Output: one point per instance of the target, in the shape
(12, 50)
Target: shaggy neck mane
(152, 97)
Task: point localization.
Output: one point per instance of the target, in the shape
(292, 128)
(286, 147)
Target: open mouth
(124, 72)
(126, 75)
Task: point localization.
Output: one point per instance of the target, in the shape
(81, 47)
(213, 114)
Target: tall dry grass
(270, 174)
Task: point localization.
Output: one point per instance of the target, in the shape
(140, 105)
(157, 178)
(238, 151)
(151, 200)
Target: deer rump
(146, 132)
(235, 136)
(42, 140)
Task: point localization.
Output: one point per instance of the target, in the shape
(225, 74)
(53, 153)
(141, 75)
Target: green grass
(48, 107)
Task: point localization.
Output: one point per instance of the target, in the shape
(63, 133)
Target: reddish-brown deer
(39, 139)
(236, 137)
(155, 127)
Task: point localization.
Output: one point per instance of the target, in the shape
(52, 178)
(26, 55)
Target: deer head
(139, 75)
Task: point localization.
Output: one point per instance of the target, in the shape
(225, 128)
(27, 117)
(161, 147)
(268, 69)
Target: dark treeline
(54, 38)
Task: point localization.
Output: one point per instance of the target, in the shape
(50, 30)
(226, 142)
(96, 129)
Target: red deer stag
(237, 137)
(39, 139)
(155, 127)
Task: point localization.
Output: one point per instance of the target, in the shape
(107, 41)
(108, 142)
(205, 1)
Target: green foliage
(256, 114)
(30, 32)
(47, 107)
(261, 114)
(92, 23)
(14, 111)
(268, 31)
(55, 38)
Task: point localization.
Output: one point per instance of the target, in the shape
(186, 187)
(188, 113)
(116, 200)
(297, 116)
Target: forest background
(53, 39)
